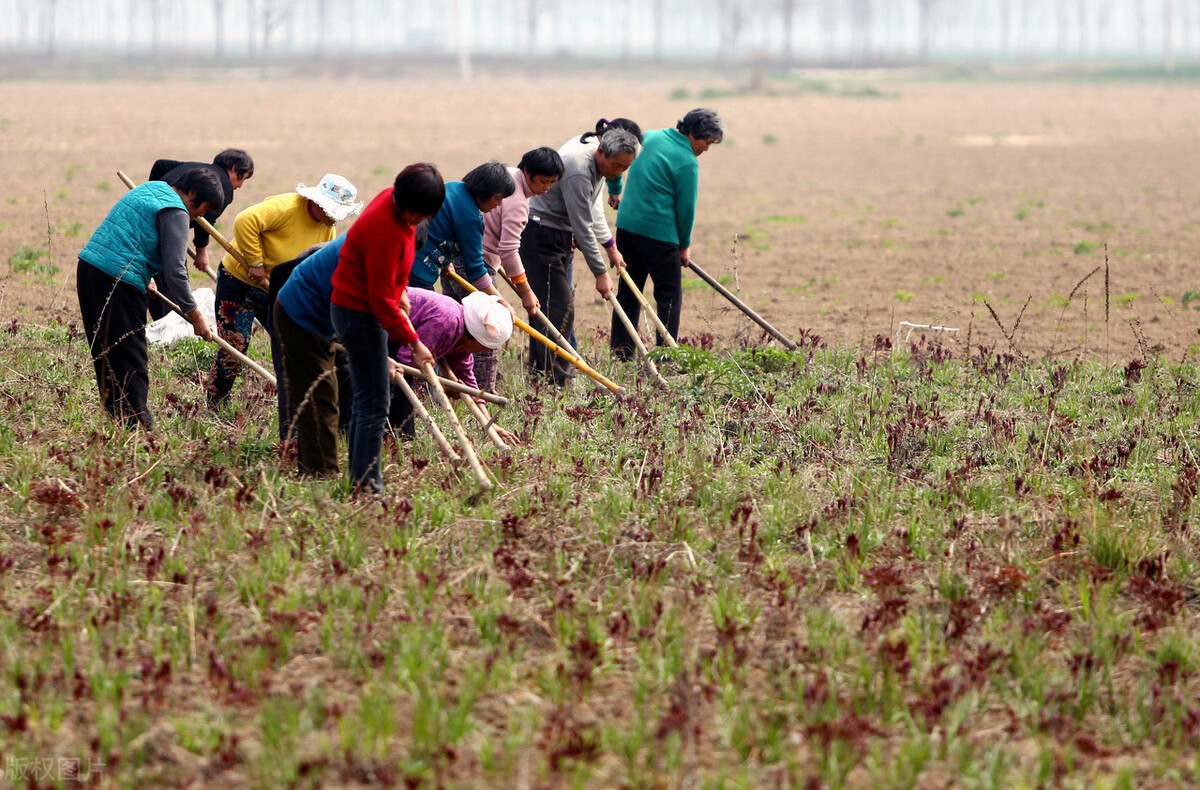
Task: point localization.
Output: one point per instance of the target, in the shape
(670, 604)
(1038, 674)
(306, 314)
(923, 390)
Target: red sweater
(372, 271)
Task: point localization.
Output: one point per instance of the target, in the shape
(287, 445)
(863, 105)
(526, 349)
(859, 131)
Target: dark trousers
(238, 304)
(366, 344)
(546, 255)
(310, 378)
(279, 278)
(660, 261)
(157, 308)
(401, 415)
(114, 321)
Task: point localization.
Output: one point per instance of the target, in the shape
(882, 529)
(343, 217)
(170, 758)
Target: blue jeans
(366, 346)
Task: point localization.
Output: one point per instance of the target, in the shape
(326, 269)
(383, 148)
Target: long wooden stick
(438, 437)
(224, 242)
(551, 330)
(208, 228)
(652, 313)
(547, 342)
(481, 475)
(480, 416)
(637, 341)
(220, 341)
(745, 308)
(457, 386)
(191, 251)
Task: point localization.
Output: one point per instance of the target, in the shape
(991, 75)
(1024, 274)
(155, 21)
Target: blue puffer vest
(125, 246)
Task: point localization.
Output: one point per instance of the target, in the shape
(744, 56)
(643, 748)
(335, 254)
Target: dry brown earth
(853, 212)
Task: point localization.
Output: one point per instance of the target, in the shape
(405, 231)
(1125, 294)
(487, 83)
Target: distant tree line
(786, 31)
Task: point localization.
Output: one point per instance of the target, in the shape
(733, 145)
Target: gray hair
(616, 141)
(703, 124)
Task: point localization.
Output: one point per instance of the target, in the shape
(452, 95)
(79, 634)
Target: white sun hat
(335, 195)
(487, 319)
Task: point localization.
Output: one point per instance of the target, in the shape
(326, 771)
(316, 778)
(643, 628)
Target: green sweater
(661, 189)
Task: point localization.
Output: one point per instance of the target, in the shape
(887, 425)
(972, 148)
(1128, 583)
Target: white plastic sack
(172, 327)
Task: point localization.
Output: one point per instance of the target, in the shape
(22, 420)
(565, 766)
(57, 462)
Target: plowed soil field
(843, 206)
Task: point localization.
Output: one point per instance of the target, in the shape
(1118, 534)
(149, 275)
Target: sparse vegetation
(966, 560)
(805, 567)
(28, 260)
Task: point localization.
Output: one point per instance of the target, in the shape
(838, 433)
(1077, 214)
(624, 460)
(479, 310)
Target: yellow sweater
(273, 232)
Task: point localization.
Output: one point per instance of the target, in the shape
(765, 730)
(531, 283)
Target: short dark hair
(419, 188)
(237, 160)
(603, 125)
(490, 178)
(542, 162)
(203, 184)
(702, 124)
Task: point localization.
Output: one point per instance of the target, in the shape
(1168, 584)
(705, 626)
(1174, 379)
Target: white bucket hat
(335, 195)
(487, 319)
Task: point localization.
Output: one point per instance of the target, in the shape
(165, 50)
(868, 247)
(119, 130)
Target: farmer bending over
(456, 232)
(454, 333)
(145, 234)
(269, 233)
(233, 166)
(369, 285)
(654, 224)
(502, 228)
(572, 212)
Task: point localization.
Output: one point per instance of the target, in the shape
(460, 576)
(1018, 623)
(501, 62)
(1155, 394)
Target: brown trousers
(312, 388)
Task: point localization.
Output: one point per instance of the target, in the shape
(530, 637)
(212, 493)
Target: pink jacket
(502, 228)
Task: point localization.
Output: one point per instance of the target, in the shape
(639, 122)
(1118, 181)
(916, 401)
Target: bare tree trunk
(322, 26)
(1140, 23)
(251, 28)
(132, 27)
(1026, 25)
(980, 24)
(532, 12)
(219, 27)
(732, 16)
(1103, 22)
(1186, 17)
(1083, 27)
(860, 25)
(1168, 36)
(460, 41)
(625, 24)
(289, 32)
(155, 28)
(1005, 25)
(787, 9)
(23, 24)
(270, 21)
(659, 11)
(924, 20)
(49, 21)
(829, 27)
(1062, 27)
(723, 32)
(401, 26)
